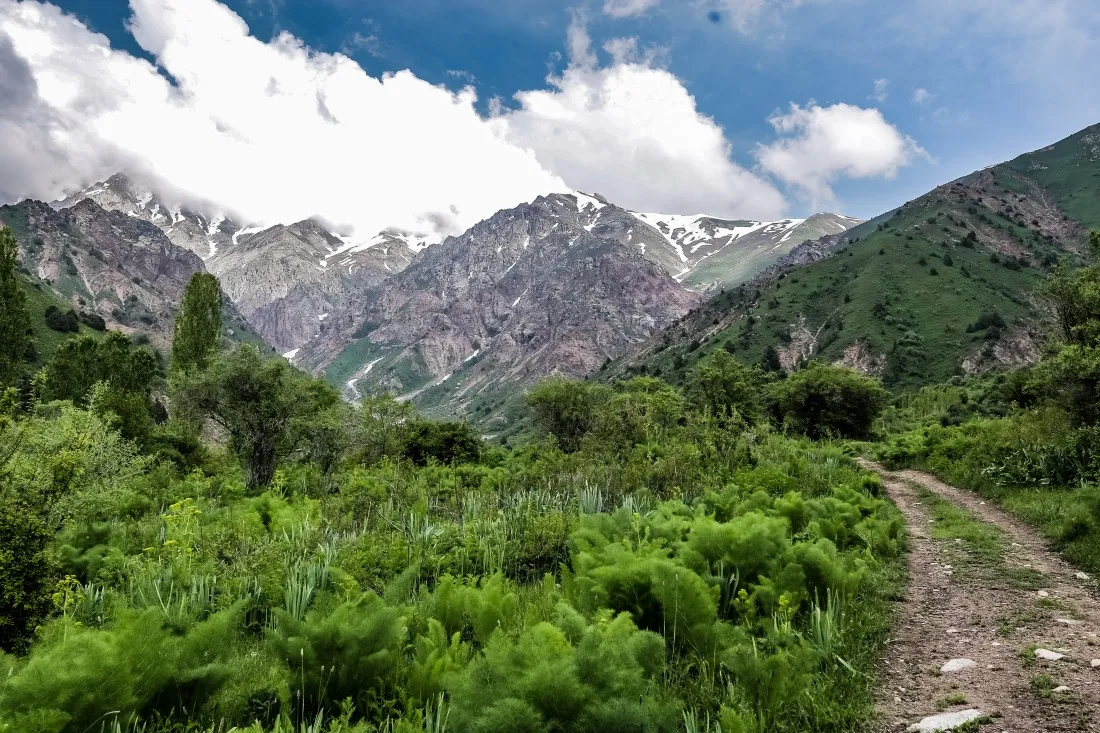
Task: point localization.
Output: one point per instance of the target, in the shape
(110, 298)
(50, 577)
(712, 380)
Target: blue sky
(998, 77)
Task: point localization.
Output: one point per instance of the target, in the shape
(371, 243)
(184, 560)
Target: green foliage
(198, 323)
(65, 322)
(379, 432)
(565, 408)
(81, 677)
(264, 405)
(351, 653)
(1073, 369)
(83, 362)
(821, 400)
(726, 387)
(14, 317)
(423, 441)
(570, 676)
(396, 573)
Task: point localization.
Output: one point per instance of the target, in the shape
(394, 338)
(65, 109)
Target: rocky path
(994, 626)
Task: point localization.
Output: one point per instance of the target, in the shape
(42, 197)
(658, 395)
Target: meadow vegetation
(217, 541)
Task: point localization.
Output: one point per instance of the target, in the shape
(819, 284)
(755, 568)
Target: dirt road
(988, 599)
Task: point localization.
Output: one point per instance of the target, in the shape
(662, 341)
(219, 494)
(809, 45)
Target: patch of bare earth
(994, 616)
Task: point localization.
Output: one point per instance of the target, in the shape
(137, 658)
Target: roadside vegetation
(1029, 440)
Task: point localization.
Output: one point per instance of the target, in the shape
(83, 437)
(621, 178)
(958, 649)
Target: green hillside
(944, 284)
(45, 339)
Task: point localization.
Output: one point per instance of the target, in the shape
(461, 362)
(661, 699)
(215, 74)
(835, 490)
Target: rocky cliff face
(106, 262)
(525, 293)
(284, 279)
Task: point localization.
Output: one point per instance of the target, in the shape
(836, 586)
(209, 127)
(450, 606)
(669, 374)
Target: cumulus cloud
(627, 8)
(631, 131)
(266, 131)
(819, 145)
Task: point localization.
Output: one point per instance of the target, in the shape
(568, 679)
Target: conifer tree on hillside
(14, 319)
(198, 324)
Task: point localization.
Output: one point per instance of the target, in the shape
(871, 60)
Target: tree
(638, 411)
(565, 408)
(14, 318)
(378, 433)
(822, 400)
(1072, 369)
(444, 442)
(198, 324)
(723, 385)
(264, 405)
(63, 321)
(82, 362)
(770, 361)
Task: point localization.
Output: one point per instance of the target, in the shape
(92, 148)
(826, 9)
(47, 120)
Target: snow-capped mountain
(705, 252)
(284, 278)
(558, 284)
(526, 293)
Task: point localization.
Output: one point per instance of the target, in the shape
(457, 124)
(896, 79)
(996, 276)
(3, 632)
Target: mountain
(528, 292)
(943, 285)
(183, 227)
(117, 266)
(704, 252)
(284, 279)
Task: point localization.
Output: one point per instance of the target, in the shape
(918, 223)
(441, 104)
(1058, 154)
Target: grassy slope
(877, 290)
(46, 340)
(1070, 171)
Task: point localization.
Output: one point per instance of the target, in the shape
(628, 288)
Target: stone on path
(1082, 576)
(1043, 594)
(957, 665)
(1069, 621)
(945, 721)
(1060, 689)
(1095, 663)
(1048, 655)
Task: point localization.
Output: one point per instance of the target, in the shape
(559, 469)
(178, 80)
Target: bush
(569, 677)
(67, 322)
(823, 400)
(93, 321)
(423, 441)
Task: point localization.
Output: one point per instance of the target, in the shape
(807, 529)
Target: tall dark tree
(14, 319)
(198, 323)
(265, 406)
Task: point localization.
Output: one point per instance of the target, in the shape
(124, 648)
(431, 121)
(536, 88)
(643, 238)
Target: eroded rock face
(858, 357)
(525, 293)
(120, 267)
(1015, 349)
(285, 279)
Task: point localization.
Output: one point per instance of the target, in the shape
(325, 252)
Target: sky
(429, 115)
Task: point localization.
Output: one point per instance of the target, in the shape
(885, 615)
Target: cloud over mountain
(278, 132)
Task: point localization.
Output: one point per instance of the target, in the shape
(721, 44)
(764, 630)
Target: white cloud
(276, 132)
(819, 145)
(632, 132)
(269, 131)
(882, 90)
(627, 8)
(922, 95)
